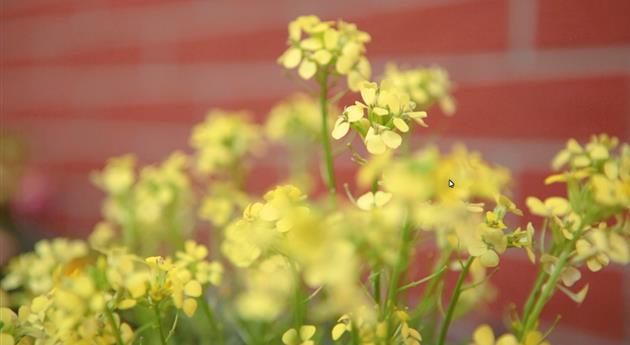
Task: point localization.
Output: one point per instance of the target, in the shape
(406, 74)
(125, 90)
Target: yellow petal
(599, 152)
(331, 37)
(126, 304)
(338, 331)
(311, 44)
(341, 129)
(374, 144)
(193, 289)
(291, 58)
(483, 335)
(322, 57)
(189, 306)
(294, 31)
(344, 64)
(401, 125)
(391, 139)
(557, 206)
(536, 206)
(354, 113)
(380, 111)
(290, 337)
(307, 69)
(507, 339)
(381, 198)
(366, 201)
(489, 259)
(307, 332)
(368, 93)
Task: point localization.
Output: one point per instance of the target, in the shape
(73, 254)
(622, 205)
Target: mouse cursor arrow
(451, 184)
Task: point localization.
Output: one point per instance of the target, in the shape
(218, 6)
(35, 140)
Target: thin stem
(216, 330)
(550, 285)
(112, 322)
(401, 265)
(454, 299)
(158, 320)
(540, 279)
(323, 104)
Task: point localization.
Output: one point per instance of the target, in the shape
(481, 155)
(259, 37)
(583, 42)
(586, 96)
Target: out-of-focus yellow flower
(327, 46)
(487, 245)
(296, 119)
(301, 337)
(262, 224)
(426, 86)
(118, 175)
(485, 336)
(372, 200)
(38, 271)
(554, 206)
(569, 274)
(223, 140)
(268, 287)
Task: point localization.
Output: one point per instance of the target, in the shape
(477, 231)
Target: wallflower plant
(292, 267)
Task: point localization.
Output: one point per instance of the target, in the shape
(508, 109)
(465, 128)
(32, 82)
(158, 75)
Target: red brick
(569, 23)
(543, 109)
(40, 8)
(474, 26)
(471, 26)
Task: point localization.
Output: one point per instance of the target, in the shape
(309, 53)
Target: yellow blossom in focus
(383, 113)
(337, 48)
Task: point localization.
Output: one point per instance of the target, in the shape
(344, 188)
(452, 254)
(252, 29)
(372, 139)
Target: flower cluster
(223, 140)
(155, 200)
(425, 86)
(384, 112)
(327, 47)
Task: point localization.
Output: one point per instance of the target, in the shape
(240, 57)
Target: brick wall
(86, 80)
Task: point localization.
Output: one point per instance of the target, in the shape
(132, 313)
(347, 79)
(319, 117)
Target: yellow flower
(485, 336)
(524, 239)
(303, 337)
(118, 175)
(315, 46)
(371, 200)
(223, 140)
(487, 244)
(296, 120)
(554, 206)
(426, 86)
(343, 325)
(388, 110)
(569, 274)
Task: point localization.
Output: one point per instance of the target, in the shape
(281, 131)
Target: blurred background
(82, 81)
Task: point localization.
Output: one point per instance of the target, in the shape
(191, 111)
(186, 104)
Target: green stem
(216, 330)
(540, 279)
(426, 300)
(112, 322)
(376, 287)
(323, 104)
(158, 320)
(454, 299)
(401, 265)
(549, 286)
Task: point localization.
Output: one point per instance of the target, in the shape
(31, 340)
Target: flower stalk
(454, 299)
(328, 159)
